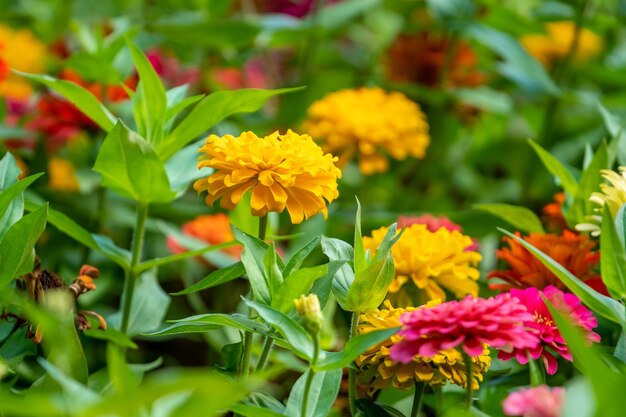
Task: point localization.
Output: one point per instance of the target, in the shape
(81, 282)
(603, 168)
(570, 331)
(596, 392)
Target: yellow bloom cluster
(612, 194)
(21, 51)
(378, 370)
(431, 260)
(62, 175)
(556, 44)
(283, 171)
(369, 122)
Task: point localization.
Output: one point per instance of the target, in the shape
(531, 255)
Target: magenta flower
(543, 325)
(541, 401)
(471, 322)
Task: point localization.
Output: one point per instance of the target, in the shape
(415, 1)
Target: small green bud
(308, 307)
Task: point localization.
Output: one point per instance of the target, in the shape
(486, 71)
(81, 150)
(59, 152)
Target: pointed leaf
(215, 278)
(370, 287)
(519, 217)
(9, 173)
(338, 250)
(297, 258)
(298, 283)
(613, 259)
(322, 394)
(556, 168)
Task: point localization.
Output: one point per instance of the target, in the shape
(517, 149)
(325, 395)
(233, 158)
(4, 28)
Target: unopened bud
(308, 307)
(90, 271)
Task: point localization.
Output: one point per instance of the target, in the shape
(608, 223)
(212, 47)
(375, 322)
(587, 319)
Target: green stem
(438, 399)
(311, 374)
(537, 375)
(352, 372)
(247, 337)
(417, 398)
(304, 70)
(265, 354)
(131, 276)
(469, 379)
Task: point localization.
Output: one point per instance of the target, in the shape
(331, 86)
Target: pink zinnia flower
(541, 401)
(543, 324)
(471, 322)
(434, 223)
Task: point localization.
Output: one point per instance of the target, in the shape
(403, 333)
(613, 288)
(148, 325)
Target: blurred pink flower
(544, 326)
(471, 322)
(541, 401)
(295, 8)
(251, 75)
(171, 71)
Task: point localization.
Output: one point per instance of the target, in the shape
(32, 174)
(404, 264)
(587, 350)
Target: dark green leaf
(215, 278)
(373, 409)
(520, 218)
(322, 394)
(556, 168)
(297, 258)
(112, 335)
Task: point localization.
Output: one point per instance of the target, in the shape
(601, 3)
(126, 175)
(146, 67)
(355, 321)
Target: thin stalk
(470, 379)
(438, 399)
(417, 398)
(247, 337)
(131, 276)
(351, 372)
(311, 374)
(536, 370)
(265, 354)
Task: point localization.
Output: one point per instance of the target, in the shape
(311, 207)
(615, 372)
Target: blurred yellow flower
(612, 194)
(378, 370)
(369, 122)
(62, 175)
(431, 260)
(557, 42)
(283, 171)
(21, 51)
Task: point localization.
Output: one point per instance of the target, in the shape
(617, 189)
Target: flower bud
(308, 307)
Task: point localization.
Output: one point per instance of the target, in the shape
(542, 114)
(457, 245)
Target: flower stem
(417, 398)
(247, 337)
(537, 376)
(469, 379)
(311, 374)
(131, 276)
(351, 372)
(265, 354)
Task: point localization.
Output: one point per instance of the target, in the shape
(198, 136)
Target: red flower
(212, 229)
(571, 250)
(553, 213)
(471, 323)
(543, 325)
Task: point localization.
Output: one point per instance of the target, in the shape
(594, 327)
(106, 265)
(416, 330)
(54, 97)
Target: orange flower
(553, 213)
(113, 93)
(421, 58)
(571, 250)
(62, 176)
(212, 229)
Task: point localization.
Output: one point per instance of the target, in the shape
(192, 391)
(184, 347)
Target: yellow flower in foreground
(371, 123)
(378, 370)
(557, 42)
(22, 51)
(62, 175)
(612, 194)
(431, 260)
(282, 171)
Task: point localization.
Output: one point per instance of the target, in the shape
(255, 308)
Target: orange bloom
(553, 213)
(571, 250)
(421, 59)
(111, 92)
(212, 229)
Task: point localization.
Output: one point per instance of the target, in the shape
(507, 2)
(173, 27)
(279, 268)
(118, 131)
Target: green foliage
(520, 218)
(613, 260)
(322, 394)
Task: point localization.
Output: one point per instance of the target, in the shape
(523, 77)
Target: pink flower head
(543, 325)
(434, 223)
(471, 322)
(541, 401)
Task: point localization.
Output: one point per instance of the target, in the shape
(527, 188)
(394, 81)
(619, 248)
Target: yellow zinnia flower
(378, 370)
(369, 122)
(431, 260)
(556, 44)
(612, 194)
(21, 51)
(62, 175)
(283, 171)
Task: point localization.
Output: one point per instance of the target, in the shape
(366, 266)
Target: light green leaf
(556, 168)
(17, 245)
(322, 394)
(359, 251)
(355, 347)
(215, 278)
(338, 250)
(129, 165)
(11, 202)
(618, 132)
(590, 181)
(600, 304)
(206, 322)
(519, 217)
(182, 168)
(83, 99)
(297, 258)
(111, 335)
(370, 287)
(212, 110)
(613, 259)
(296, 284)
(9, 173)
(252, 411)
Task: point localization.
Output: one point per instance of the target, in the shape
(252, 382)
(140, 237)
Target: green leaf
(620, 347)
(620, 224)
(17, 245)
(297, 258)
(339, 14)
(215, 278)
(520, 218)
(374, 409)
(129, 165)
(617, 131)
(10, 206)
(252, 411)
(296, 284)
(9, 173)
(100, 243)
(338, 250)
(359, 251)
(600, 304)
(121, 375)
(231, 353)
(556, 168)
(272, 271)
(83, 99)
(77, 393)
(153, 263)
(212, 110)
(206, 322)
(150, 99)
(590, 181)
(322, 394)
(253, 259)
(295, 334)
(613, 259)
(370, 287)
(355, 347)
(111, 335)
(182, 168)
